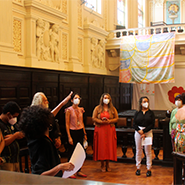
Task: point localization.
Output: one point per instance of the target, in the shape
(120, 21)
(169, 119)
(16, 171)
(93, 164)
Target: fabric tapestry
(147, 58)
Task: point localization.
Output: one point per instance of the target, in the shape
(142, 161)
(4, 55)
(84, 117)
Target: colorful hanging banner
(147, 58)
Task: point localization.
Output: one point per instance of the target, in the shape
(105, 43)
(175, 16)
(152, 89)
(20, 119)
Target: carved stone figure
(101, 54)
(97, 53)
(46, 39)
(94, 55)
(54, 43)
(39, 38)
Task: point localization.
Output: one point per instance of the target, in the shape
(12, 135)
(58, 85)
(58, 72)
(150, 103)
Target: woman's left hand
(85, 137)
(143, 136)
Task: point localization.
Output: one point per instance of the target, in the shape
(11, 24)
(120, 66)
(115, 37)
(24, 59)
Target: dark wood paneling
(20, 84)
(111, 86)
(125, 96)
(96, 86)
(15, 85)
(48, 84)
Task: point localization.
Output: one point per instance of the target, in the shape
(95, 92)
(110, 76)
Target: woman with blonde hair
(105, 140)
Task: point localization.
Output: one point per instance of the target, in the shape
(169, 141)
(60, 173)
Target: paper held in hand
(147, 141)
(77, 158)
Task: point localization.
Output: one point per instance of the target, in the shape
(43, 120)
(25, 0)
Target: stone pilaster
(7, 52)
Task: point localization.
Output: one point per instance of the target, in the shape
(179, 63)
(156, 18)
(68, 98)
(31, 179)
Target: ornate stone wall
(17, 33)
(58, 34)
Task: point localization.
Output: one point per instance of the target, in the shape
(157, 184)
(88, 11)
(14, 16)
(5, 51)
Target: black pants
(77, 136)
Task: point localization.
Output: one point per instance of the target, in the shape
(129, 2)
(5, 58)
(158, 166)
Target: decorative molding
(45, 9)
(95, 27)
(64, 46)
(17, 35)
(65, 9)
(64, 6)
(80, 49)
(52, 3)
(158, 2)
(79, 14)
(19, 2)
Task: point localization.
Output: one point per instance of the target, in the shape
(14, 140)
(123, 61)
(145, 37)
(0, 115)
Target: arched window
(121, 12)
(95, 5)
(141, 8)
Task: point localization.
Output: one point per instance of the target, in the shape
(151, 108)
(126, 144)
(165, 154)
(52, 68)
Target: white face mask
(13, 121)
(76, 101)
(106, 101)
(145, 105)
(178, 103)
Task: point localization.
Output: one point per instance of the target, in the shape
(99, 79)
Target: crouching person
(35, 122)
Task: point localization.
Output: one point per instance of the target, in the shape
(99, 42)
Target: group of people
(177, 124)
(38, 124)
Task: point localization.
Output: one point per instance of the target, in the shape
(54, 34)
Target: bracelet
(85, 133)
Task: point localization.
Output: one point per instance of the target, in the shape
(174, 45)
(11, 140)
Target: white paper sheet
(77, 158)
(147, 141)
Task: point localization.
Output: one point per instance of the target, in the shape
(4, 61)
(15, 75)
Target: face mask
(145, 105)
(106, 101)
(76, 101)
(13, 121)
(178, 103)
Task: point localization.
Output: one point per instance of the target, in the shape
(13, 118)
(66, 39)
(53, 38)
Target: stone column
(132, 14)
(7, 52)
(111, 14)
(73, 32)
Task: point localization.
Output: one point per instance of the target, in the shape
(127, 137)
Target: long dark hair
(140, 101)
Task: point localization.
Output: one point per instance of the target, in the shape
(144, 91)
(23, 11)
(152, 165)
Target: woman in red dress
(105, 116)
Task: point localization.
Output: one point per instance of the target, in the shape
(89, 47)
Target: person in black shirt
(144, 120)
(35, 122)
(10, 153)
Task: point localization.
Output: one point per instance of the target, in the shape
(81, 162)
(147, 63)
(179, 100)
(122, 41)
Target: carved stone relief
(113, 59)
(79, 14)
(47, 41)
(64, 6)
(64, 46)
(80, 50)
(98, 53)
(17, 35)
